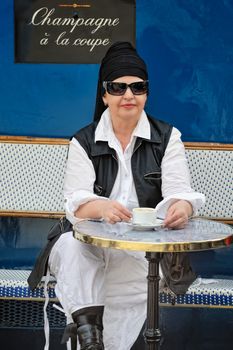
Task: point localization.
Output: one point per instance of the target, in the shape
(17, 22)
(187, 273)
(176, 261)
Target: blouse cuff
(196, 199)
(72, 204)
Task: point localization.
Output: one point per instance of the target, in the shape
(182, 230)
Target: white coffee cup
(144, 216)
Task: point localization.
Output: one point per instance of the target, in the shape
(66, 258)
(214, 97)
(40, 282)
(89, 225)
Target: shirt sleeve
(176, 178)
(79, 180)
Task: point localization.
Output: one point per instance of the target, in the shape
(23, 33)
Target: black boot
(90, 327)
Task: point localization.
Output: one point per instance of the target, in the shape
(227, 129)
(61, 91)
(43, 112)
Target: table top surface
(199, 234)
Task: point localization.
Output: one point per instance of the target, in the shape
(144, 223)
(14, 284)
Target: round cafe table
(198, 235)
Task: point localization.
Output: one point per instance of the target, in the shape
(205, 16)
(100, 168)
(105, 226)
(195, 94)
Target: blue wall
(188, 46)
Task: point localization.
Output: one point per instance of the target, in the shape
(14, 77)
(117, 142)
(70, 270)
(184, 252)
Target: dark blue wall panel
(188, 46)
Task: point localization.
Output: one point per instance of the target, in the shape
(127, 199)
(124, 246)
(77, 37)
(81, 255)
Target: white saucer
(139, 227)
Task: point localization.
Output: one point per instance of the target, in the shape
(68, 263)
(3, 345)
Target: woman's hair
(120, 60)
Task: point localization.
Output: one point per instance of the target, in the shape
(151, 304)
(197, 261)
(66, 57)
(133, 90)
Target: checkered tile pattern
(13, 284)
(203, 292)
(212, 174)
(31, 177)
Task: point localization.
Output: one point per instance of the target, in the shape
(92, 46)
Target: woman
(124, 159)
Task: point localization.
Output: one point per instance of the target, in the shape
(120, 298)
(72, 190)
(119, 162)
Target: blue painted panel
(188, 46)
(42, 99)
(21, 240)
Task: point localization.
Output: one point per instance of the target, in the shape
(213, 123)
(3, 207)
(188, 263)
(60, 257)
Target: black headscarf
(120, 60)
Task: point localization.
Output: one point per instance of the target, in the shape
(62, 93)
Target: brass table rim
(168, 247)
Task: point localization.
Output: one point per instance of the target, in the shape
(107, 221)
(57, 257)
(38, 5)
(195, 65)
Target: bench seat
(203, 292)
(13, 285)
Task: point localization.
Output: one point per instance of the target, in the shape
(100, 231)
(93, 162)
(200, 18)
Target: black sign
(48, 31)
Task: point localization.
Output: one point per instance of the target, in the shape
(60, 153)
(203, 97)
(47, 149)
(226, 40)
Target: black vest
(145, 162)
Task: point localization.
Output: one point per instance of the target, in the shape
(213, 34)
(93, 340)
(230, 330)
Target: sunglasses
(119, 89)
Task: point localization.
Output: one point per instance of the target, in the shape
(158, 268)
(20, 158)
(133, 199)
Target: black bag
(40, 267)
(177, 271)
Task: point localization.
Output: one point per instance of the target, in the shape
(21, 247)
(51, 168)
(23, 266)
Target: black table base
(152, 334)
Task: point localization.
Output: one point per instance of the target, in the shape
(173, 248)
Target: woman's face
(128, 106)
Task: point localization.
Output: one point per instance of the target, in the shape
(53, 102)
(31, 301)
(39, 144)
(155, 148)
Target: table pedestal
(152, 333)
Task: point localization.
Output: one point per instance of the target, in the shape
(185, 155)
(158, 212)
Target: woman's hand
(113, 211)
(178, 214)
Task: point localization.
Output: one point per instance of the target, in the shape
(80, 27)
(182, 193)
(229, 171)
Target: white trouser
(89, 276)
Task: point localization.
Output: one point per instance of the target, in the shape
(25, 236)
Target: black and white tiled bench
(203, 292)
(22, 307)
(212, 293)
(13, 285)
(31, 182)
